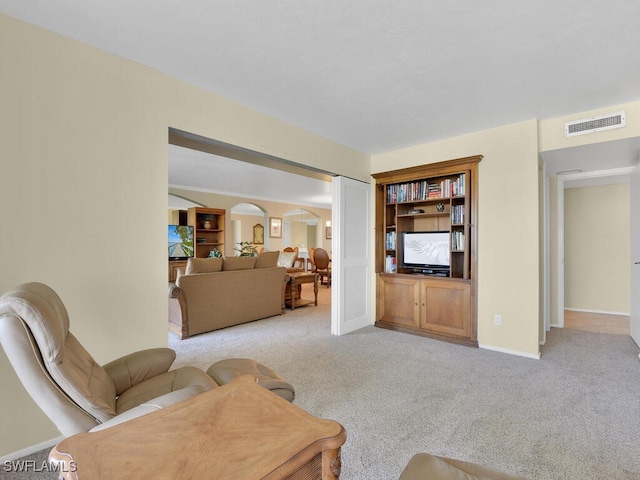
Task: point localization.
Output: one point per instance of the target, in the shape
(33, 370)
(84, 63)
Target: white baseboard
(603, 312)
(510, 352)
(30, 450)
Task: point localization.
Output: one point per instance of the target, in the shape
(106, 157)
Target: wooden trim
(434, 170)
(423, 333)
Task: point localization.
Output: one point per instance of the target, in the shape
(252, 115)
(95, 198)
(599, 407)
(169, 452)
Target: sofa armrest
(174, 290)
(178, 318)
(137, 367)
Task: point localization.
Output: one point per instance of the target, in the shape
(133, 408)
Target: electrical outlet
(497, 318)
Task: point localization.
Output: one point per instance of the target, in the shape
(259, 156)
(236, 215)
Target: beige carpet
(574, 414)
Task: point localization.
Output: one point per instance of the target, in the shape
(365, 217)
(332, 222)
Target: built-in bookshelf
(440, 199)
(209, 226)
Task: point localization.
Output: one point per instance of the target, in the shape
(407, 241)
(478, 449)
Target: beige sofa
(213, 293)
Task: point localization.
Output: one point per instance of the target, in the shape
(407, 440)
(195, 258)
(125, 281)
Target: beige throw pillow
(285, 259)
(203, 265)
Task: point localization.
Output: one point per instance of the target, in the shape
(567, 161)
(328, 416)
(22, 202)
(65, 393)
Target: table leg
(293, 293)
(315, 289)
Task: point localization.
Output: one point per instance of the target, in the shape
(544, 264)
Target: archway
(248, 222)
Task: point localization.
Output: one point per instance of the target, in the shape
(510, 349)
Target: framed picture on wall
(258, 234)
(328, 233)
(275, 227)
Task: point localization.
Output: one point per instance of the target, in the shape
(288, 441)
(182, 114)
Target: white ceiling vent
(595, 124)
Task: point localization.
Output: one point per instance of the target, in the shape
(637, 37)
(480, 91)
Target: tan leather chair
(424, 466)
(75, 392)
(323, 265)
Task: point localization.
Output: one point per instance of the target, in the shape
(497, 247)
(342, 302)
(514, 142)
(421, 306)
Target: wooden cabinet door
(173, 268)
(445, 307)
(399, 300)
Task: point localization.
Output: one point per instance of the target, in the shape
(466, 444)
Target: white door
(350, 254)
(635, 254)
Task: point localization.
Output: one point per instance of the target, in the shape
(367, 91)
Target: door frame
(351, 266)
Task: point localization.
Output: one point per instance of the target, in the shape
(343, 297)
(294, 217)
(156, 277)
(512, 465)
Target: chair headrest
(40, 307)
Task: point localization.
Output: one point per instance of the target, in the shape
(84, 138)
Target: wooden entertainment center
(440, 301)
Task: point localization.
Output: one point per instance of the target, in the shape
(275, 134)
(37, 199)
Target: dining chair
(323, 265)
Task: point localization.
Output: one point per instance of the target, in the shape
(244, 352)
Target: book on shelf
(391, 240)
(457, 214)
(457, 241)
(390, 264)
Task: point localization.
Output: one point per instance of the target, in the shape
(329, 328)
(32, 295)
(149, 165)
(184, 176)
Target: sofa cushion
(267, 259)
(238, 263)
(285, 259)
(203, 265)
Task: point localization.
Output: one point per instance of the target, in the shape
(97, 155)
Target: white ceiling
(375, 75)
(195, 170)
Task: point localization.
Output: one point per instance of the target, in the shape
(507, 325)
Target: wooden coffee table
(298, 278)
(239, 431)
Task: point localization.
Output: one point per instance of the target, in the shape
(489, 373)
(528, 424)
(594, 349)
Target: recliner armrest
(151, 406)
(137, 367)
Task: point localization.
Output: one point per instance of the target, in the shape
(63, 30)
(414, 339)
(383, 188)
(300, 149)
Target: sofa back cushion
(203, 265)
(238, 263)
(267, 259)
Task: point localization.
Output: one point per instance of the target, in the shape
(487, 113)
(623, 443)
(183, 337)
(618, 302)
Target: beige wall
(508, 229)
(83, 190)
(597, 248)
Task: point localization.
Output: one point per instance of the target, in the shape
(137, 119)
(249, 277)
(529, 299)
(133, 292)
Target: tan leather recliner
(424, 466)
(76, 393)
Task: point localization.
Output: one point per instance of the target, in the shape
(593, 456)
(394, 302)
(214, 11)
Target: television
(180, 242)
(427, 251)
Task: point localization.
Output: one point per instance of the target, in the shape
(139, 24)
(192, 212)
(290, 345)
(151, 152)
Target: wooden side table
(239, 431)
(299, 278)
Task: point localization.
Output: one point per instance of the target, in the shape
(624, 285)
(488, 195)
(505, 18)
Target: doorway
(593, 251)
(590, 162)
(201, 145)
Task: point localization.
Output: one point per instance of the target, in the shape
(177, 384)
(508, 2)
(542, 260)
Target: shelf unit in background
(441, 197)
(207, 235)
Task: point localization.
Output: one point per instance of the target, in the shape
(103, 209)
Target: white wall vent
(595, 124)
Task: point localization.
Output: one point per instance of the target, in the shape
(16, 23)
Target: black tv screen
(426, 249)
(180, 242)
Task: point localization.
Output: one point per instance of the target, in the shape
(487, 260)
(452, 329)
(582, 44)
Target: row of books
(457, 241)
(391, 240)
(424, 190)
(390, 264)
(457, 214)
